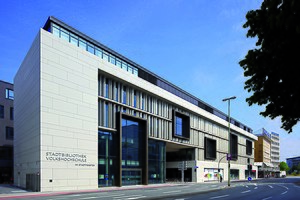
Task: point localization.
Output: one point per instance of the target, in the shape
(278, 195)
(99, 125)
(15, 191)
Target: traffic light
(250, 167)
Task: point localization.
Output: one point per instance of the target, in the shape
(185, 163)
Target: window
(106, 88)
(116, 92)
(210, 150)
(98, 52)
(134, 99)
(178, 125)
(74, 40)
(82, 44)
(124, 95)
(234, 146)
(90, 48)
(181, 125)
(1, 111)
(106, 114)
(11, 111)
(9, 94)
(9, 133)
(248, 147)
(64, 35)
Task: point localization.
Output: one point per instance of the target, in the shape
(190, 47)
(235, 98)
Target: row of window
(11, 112)
(83, 44)
(210, 148)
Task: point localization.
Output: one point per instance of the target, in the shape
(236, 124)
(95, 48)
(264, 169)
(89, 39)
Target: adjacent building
(275, 153)
(6, 131)
(293, 162)
(88, 117)
(267, 153)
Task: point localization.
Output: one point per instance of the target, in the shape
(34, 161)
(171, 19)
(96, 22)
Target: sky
(195, 44)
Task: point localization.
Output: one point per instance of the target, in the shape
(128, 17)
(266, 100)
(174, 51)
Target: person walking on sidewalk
(221, 178)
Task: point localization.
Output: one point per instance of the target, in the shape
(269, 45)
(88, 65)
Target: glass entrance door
(131, 176)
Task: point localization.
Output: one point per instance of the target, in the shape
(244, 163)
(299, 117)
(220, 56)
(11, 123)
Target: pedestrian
(221, 178)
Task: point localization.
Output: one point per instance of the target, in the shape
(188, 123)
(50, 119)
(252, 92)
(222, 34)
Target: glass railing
(83, 44)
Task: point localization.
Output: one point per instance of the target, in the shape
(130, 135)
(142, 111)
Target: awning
(269, 164)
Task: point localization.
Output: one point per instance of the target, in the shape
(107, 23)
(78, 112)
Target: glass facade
(132, 149)
(156, 161)
(107, 152)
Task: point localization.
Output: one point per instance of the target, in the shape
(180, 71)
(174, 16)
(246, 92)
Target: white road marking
(255, 188)
(270, 186)
(114, 195)
(284, 193)
(76, 195)
(267, 198)
(130, 196)
(137, 197)
(246, 186)
(246, 191)
(175, 191)
(18, 191)
(217, 197)
(89, 198)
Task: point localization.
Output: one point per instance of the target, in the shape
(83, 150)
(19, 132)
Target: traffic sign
(249, 178)
(228, 156)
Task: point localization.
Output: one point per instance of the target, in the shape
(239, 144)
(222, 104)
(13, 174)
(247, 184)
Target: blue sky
(194, 44)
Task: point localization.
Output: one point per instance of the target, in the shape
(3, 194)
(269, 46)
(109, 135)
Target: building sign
(79, 159)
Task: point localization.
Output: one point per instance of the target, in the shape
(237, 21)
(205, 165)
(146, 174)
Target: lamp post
(229, 157)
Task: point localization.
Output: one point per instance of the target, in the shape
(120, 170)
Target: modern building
(6, 131)
(275, 153)
(293, 162)
(88, 117)
(262, 154)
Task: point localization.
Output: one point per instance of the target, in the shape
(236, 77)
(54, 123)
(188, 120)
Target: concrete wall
(27, 116)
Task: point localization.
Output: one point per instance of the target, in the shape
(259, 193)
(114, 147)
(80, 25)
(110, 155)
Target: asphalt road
(262, 190)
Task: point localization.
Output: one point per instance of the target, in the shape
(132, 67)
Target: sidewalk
(10, 192)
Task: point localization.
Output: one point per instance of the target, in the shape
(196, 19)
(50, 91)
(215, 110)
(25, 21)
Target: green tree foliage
(283, 166)
(272, 67)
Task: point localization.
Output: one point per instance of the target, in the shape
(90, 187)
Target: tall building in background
(88, 117)
(6, 131)
(267, 153)
(275, 152)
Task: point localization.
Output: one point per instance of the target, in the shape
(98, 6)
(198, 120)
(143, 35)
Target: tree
(272, 67)
(283, 166)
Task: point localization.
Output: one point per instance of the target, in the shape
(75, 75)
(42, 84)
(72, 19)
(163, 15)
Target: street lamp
(229, 157)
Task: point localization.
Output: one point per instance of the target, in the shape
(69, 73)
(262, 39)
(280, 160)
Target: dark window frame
(234, 146)
(9, 133)
(2, 113)
(249, 147)
(208, 154)
(185, 125)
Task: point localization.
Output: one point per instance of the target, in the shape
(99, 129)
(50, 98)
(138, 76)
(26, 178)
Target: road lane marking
(270, 186)
(18, 191)
(246, 191)
(284, 193)
(255, 188)
(175, 191)
(129, 196)
(137, 197)
(217, 197)
(88, 198)
(267, 198)
(246, 186)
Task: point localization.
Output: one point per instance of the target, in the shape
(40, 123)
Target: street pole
(228, 99)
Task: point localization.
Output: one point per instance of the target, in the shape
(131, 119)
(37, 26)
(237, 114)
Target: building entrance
(131, 176)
